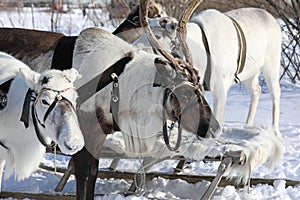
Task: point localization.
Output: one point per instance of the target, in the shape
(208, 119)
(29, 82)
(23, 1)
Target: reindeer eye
(45, 102)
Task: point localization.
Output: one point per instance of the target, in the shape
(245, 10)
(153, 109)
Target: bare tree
(32, 13)
(55, 16)
(52, 15)
(289, 12)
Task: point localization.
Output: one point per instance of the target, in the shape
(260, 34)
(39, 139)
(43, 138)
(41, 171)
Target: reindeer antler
(181, 34)
(144, 9)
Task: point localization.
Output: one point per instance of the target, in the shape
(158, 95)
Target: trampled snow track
(107, 173)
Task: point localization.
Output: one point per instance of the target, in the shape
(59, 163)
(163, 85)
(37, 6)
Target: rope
(140, 184)
(54, 152)
(141, 173)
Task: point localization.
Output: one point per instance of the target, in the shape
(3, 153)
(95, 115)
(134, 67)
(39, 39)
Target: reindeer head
(53, 108)
(185, 100)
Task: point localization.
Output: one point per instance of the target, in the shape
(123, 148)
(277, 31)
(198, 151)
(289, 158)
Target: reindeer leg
(93, 172)
(86, 161)
(81, 171)
(219, 94)
(85, 170)
(271, 76)
(2, 164)
(254, 88)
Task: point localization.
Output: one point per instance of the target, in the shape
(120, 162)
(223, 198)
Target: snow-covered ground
(160, 188)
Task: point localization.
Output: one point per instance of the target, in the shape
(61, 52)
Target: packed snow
(71, 23)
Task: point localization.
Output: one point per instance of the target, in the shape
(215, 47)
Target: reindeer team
(126, 88)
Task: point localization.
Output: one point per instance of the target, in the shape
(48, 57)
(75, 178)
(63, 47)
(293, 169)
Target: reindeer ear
(31, 77)
(72, 74)
(165, 72)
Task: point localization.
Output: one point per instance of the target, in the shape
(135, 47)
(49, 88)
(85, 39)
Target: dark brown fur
(27, 43)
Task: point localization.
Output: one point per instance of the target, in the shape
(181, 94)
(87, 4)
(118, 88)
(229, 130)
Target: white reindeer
(50, 117)
(214, 39)
(140, 103)
(141, 106)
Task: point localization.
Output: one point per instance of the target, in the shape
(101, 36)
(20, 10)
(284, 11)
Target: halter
(31, 96)
(167, 93)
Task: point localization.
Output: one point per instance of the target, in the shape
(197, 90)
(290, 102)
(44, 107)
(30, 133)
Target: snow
(159, 188)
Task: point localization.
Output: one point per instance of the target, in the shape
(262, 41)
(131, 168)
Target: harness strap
(114, 102)
(207, 74)
(62, 59)
(58, 97)
(51, 107)
(102, 80)
(25, 110)
(242, 49)
(241, 58)
(63, 53)
(25, 114)
(3, 145)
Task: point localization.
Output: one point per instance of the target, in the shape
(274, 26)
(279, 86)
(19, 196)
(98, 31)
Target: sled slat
(187, 177)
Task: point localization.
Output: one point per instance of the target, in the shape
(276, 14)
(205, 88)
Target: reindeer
(46, 104)
(36, 48)
(169, 88)
(136, 133)
(231, 47)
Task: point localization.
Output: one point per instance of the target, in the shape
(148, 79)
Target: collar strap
(207, 73)
(25, 110)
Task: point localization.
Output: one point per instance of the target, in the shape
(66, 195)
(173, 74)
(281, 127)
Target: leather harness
(62, 59)
(85, 92)
(241, 56)
(110, 75)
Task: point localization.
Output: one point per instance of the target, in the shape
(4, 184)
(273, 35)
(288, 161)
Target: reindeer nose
(203, 127)
(209, 128)
(214, 128)
(74, 145)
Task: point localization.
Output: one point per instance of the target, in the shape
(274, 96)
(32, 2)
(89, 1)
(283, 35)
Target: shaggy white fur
(140, 104)
(22, 151)
(259, 144)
